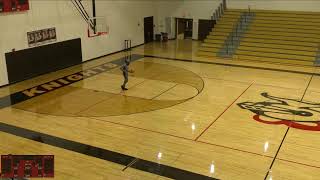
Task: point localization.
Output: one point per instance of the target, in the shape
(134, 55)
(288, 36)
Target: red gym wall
(13, 5)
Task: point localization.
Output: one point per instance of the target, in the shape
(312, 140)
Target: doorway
(148, 29)
(184, 28)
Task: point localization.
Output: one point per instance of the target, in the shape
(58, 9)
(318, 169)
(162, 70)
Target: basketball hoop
(97, 26)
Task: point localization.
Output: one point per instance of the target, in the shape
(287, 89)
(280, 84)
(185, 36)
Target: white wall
(43, 14)
(123, 18)
(290, 5)
(193, 9)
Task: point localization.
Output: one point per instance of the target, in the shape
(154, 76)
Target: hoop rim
(97, 34)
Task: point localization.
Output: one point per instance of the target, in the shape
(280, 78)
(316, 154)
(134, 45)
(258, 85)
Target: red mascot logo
(290, 112)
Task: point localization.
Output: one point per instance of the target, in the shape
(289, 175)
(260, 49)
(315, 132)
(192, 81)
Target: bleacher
(275, 36)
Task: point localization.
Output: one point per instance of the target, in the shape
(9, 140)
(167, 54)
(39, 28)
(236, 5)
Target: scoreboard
(27, 166)
(13, 5)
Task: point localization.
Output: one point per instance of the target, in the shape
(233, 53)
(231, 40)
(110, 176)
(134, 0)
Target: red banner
(13, 5)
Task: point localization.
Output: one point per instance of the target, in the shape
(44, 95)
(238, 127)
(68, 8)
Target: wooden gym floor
(183, 117)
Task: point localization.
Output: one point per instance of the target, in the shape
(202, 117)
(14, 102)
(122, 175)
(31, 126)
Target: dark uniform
(125, 72)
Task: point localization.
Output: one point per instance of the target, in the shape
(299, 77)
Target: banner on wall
(13, 5)
(40, 37)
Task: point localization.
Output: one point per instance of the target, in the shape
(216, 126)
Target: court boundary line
(96, 118)
(275, 157)
(197, 138)
(244, 60)
(277, 53)
(285, 135)
(179, 137)
(292, 161)
(295, 162)
(202, 142)
(100, 153)
(235, 149)
(236, 65)
(130, 164)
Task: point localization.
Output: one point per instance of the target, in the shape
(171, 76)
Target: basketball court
(183, 117)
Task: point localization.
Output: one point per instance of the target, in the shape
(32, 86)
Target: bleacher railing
(233, 40)
(219, 11)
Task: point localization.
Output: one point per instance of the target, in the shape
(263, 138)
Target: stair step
(278, 13)
(212, 45)
(207, 54)
(217, 37)
(209, 49)
(283, 42)
(289, 15)
(269, 59)
(284, 51)
(226, 23)
(287, 21)
(286, 26)
(296, 16)
(283, 19)
(219, 33)
(287, 38)
(224, 26)
(260, 28)
(293, 34)
(279, 46)
(229, 19)
(216, 41)
(229, 13)
(276, 55)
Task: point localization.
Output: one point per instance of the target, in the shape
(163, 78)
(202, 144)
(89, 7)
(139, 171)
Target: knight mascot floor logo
(281, 111)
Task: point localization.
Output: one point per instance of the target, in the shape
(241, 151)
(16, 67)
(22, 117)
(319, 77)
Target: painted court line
(164, 91)
(233, 65)
(203, 142)
(295, 162)
(180, 137)
(125, 160)
(207, 143)
(44, 88)
(273, 160)
(158, 132)
(130, 164)
(104, 154)
(222, 113)
(243, 82)
(285, 135)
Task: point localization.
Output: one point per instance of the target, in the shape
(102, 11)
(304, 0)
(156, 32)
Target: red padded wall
(14, 5)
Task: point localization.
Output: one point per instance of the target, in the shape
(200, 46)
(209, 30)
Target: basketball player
(125, 70)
